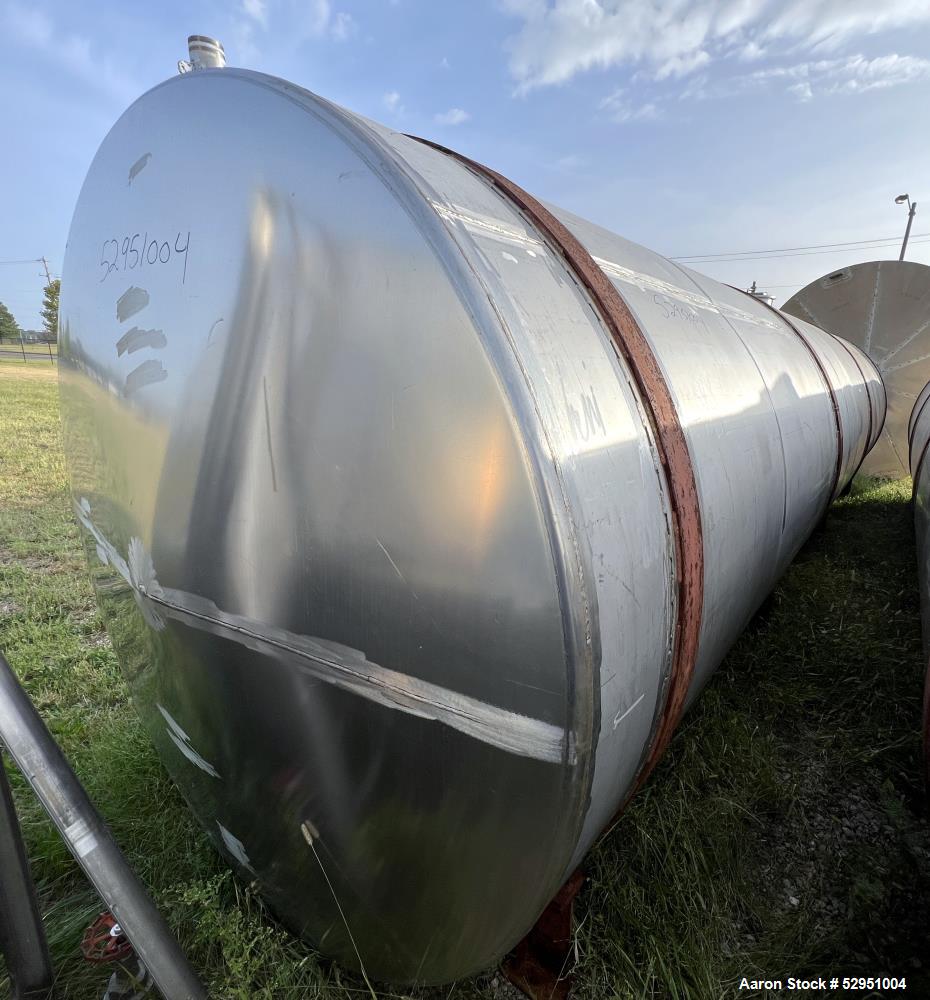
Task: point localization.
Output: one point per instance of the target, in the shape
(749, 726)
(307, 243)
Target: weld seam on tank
(635, 350)
(833, 400)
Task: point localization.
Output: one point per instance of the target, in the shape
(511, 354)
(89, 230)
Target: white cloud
(391, 101)
(257, 10)
(343, 26)
(560, 38)
(807, 80)
(454, 116)
(305, 19)
(620, 109)
(859, 74)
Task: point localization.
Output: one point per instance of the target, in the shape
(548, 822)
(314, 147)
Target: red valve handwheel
(104, 941)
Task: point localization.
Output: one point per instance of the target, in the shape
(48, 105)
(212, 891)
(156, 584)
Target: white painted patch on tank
(183, 742)
(235, 847)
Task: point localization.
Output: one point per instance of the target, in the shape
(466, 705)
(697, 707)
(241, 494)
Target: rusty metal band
(671, 446)
(826, 378)
(868, 396)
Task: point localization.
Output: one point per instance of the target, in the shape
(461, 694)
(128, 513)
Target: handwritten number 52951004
(139, 251)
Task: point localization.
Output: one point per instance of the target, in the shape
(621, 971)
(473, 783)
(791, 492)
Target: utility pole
(48, 284)
(912, 206)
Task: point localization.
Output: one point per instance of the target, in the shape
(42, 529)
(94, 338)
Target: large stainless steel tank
(884, 308)
(418, 511)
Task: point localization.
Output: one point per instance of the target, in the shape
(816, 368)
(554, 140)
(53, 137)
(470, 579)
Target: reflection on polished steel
(417, 510)
(884, 308)
(918, 439)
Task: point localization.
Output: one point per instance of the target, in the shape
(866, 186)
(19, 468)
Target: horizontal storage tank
(918, 439)
(883, 307)
(418, 511)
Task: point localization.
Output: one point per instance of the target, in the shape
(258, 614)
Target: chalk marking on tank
(137, 338)
(148, 373)
(336, 664)
(138, 167)
(183, 742)
(396, 567)
(235, 847)
(133, 300)
(274, 477)
(619, 718)
(532, 687)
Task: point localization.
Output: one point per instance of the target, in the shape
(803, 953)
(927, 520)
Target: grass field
(784, 833)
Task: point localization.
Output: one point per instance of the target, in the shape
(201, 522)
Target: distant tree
(8, 325)
(50, 310)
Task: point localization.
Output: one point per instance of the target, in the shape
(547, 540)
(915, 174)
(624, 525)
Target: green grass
(784, 833)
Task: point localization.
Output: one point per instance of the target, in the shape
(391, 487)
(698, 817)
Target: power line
(800, 253)
(31, 260)
(779, 250)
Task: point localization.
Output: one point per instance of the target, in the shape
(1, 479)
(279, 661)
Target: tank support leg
(539, 964)
(22, 936)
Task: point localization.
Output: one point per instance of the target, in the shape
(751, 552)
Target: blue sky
(691, 126)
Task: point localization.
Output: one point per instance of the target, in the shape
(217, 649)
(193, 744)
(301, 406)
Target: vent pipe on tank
(205, 53)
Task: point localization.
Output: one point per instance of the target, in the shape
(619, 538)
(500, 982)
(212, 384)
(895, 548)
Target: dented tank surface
(418, 511)
(918, 441)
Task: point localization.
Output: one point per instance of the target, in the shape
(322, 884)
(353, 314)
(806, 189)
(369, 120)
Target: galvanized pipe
(419, 511)
(63, 797)
(22, 934)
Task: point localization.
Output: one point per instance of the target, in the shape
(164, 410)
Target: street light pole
(912, 206)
